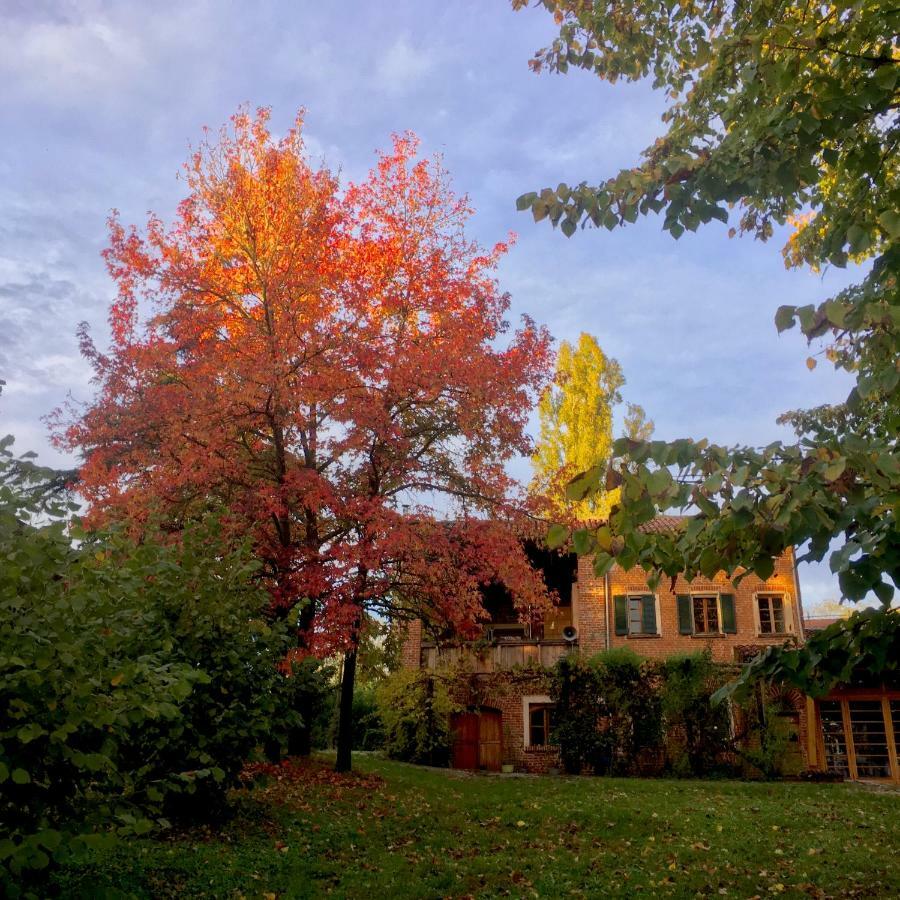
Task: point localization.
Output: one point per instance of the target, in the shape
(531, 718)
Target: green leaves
(116, 677)
(581, 485)
(785, 317)
(557, 536)
(863, 649)
(526, 201)
(797, 127)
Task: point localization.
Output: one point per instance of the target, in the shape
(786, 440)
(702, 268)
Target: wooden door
(490, 740)
(465, 740)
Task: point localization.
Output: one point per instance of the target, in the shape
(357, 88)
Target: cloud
(104, 96)
(68, 58)
(402, 67)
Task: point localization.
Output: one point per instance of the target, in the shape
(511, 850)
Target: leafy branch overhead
(781, 109)
(780, 114)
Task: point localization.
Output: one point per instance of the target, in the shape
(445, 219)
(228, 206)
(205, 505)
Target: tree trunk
(345, 720)
(300, 737)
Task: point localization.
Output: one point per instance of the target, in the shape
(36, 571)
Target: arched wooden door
(477, 740)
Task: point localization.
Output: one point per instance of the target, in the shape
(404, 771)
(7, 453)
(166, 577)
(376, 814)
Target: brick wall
(591, 607)
(722, 646)
(590, 612)
(411, 653)
(506, 692)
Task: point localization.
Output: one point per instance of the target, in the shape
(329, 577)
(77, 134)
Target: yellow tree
(576, 414)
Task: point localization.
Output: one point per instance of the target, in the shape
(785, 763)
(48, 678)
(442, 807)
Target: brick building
(854, 732)
(509, 713)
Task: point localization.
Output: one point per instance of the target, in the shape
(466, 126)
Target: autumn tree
(576, 426)
(332, 367)
(779, 113)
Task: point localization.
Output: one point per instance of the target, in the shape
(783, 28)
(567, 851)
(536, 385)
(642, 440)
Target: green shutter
(685, 616)
(621, 604)
(729, 623)
(648, 614)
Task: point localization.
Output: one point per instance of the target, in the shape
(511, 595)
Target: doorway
(477, 740)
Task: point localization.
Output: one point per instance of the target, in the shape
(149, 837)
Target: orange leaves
(316, 363)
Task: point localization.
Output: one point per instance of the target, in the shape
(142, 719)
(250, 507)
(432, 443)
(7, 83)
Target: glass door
(860, 736)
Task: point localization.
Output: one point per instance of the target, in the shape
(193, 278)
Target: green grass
(396, 831)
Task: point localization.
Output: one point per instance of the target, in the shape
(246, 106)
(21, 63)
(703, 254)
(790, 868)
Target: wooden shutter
(729, 622)
(685, 614)
(648, 614)
(621, 604)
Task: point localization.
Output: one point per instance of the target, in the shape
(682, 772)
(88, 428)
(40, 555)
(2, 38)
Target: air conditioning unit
(570, 633)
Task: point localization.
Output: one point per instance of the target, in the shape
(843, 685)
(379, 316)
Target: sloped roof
(817, 623)
(662, 524)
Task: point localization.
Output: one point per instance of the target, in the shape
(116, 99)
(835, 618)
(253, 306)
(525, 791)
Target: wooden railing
(498, 657)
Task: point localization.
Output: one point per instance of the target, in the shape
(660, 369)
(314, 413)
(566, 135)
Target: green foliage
(861, 650)
(134, 681)
(767, 740)
(698, 732)
(574, 690)
(615, 705)
(310, 692)
(786, 112)
(368, 729)
(629, 705)
(415, 708)
(777, 107)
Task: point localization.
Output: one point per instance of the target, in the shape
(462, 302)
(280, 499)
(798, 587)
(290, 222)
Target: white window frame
(527, 702)
(788, 613)
(634, 595)
(718, 596)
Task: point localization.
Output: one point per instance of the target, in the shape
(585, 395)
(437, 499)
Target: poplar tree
(576, 426)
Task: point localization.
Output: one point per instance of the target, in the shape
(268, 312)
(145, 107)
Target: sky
(101, 101)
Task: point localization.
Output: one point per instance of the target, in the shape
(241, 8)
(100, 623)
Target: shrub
(575, 691)
(311, 694)
(135, 679)
(629, 705)
(768, 742)
(415, 708)
(698, 734)
(368, 729)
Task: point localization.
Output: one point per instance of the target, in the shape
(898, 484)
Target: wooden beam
(891, 739)
(848, 740)
(812, 729)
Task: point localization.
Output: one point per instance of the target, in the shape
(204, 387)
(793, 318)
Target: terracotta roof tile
(817, 623)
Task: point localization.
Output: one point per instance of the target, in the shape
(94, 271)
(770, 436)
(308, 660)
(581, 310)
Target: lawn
(392, 830)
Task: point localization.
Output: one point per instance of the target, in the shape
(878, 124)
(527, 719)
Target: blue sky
(100, 101)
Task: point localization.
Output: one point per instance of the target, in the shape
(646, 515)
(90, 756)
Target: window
(508, 632)
(635, 614)
(706, 615)
(541, 722)
(834, 740)
(771, 608)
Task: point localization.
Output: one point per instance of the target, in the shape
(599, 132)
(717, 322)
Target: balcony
(502, 656)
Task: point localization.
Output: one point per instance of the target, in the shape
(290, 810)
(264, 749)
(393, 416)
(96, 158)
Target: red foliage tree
(332, 369)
